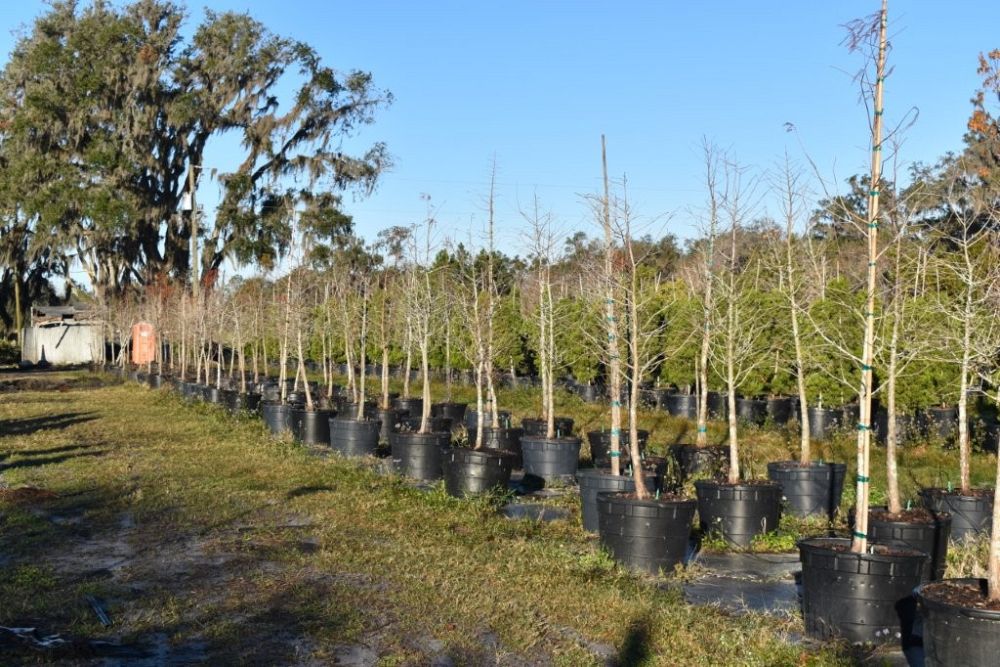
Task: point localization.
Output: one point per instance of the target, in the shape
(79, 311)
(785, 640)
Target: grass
(200, 530)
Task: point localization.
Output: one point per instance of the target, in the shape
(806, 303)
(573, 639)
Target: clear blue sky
(536, 83)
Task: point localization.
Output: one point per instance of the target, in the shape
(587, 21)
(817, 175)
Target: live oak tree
(107, 113)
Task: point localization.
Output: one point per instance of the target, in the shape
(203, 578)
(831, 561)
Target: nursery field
(200, 538)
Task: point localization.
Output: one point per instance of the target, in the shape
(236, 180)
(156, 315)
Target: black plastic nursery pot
(938, 422)
(600, 446)
(971, 514)
(863, 598)
(823, 422)
(751, 411)
(412, 406)
(453, 411)
(590, 393)
(351, 409)
(312, 426)
(920, 529)
(469, 472)
(649, 535)
(211, 394)
(718, 405)
(412, 423)
(593, 481)
(693, 461)
(682, 405)
(155, 381)
(472, 415)
(738, 512)
(419, 455)
(906, 427)
(957, 632)
(390, 420)
(811, 489)
(780, 409)
(564, 426)
(351, 437)
(277, 416)
(550, 459)
(503, 439)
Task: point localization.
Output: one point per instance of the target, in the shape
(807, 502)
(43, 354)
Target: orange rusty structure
(143, 343)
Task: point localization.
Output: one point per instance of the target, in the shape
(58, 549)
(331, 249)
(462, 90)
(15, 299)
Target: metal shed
(62, 335)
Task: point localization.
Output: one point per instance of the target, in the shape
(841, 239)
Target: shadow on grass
(34, 462)
(635, 648)
(56, 422)
(300, 491)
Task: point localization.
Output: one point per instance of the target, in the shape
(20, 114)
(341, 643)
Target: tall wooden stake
(614, 362)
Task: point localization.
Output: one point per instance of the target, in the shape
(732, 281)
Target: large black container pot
(971, 515)
(453, 411)
(682, 405)
(955, 635)
(155, 381)
(812, 489)
(906, 427)
(593, 481)
(390, 421)
(296, 398)
(503, 439)
(419, 455)
(929, 536)
(780, 409)
(938, 422)
(312, 426)
(600, 446)
(411, 423)
(190, 390)
(862, 598)
(693, 461)
(551, 459)
(469, 472)
(718, 405)
(471, 416)
(590, 393)
(211, 394)
(751, 411)
(564, 426)
(648, 535)
(277, 416)
(823, 422)
(349, 409)
(413, 406)
(230, 400)
(738, 512)
(270, 391)
(351, 437)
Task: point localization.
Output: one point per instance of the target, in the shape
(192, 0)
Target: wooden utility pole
(859, 543)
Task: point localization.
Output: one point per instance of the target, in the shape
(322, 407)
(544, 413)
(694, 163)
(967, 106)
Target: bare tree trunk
(362, 361)
(892, 436)
(302, 370)
(859, 543)
(283, 356)
(409, 357)
(964, 454)
(641, 491)
(701, 439)
(993, 576)
(614, 360)
(239, 348)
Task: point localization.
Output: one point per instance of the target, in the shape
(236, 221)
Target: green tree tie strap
(866, 367)
(615, 454)
(862, 427)
(702, 429)
(616, 431)
(864, 479)
(616, 404)
(873, 193)
(863, 536)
